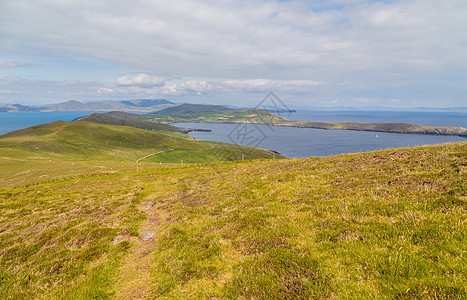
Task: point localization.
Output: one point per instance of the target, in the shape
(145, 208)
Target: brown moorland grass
(387, 224)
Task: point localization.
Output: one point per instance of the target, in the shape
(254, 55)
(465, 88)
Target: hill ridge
(96, 141)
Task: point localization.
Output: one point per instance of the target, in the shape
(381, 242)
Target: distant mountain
(188, 108)
(459, 109)
(415, 109)
(146, 102)
(74, 105)
(446, 109)
(138, 105)
(16, 108)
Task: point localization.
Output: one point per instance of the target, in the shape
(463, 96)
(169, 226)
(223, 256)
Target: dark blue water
(10, 121)
(292, 142)
(305, 142)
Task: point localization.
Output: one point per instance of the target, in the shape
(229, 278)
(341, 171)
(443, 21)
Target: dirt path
(149, 155)
(135, 274)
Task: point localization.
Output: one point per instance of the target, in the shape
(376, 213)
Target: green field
(188, 108)
(210, 114)
(388, 224)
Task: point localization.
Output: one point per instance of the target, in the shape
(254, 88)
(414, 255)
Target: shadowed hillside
(131, 120)
(188, 108)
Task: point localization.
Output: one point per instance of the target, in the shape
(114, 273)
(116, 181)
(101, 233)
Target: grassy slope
(133, 120)
(177, 114)
(385, 224)
(127, 119)
(188, 108)
(93, 141)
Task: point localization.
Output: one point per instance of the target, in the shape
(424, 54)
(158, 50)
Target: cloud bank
(351, 47)
(141, 80)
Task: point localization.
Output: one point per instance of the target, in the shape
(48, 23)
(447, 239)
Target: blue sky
(310, 53)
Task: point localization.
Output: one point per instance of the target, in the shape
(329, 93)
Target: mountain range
(458, 109)
(137, 105)
(153, 105)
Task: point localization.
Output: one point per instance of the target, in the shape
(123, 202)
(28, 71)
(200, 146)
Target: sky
(310, 53)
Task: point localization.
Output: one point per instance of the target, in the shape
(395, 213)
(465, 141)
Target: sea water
(289, 141)
(304, 142)
(10, 121)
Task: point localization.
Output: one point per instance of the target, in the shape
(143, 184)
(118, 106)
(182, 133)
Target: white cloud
(365, 100)
(195, 85)
(202, 87)
(105, 91)
(326, 48)
(264, 39)
(268, 85)
(4, 64)
(31, 91)
(141, 80)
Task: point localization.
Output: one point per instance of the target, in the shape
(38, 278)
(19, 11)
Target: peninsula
(199, 113)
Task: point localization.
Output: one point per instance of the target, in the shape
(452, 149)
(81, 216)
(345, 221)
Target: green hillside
(187, 113)
(82, 140)
(379, 225)
(189, 108)
(133, 120)
(213, 116)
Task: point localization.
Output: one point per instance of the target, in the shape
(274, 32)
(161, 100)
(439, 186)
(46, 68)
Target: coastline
(447, 131)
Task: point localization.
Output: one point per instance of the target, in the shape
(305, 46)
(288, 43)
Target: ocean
(293, 142)
(10, 121)
(305, 142)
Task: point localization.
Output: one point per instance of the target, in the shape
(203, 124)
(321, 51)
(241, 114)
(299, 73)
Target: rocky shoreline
(188, 130)
(450, 131)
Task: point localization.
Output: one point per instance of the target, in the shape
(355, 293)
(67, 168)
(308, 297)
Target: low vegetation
(127, 119)
(387, 224)
(82, 140)
(211, 114)
(188, 108)
(133, 120)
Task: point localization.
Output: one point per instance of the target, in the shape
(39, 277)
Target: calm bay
(292, 142)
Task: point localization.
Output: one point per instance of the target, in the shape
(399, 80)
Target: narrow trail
(135, 273)
(152, 154)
